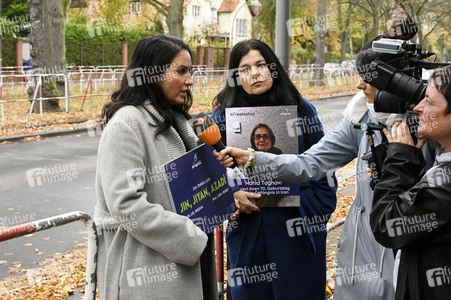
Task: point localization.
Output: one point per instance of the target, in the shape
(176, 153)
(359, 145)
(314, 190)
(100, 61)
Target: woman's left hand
(400, 133)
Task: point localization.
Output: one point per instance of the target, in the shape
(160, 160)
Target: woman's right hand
(243, 204)
(400, 133)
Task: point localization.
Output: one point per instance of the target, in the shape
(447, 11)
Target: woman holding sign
(146, 251)
(260, 242)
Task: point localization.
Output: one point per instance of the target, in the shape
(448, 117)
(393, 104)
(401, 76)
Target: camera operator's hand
(368, 169)
(400, 133)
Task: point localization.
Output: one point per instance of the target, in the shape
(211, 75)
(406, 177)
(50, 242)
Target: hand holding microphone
(208, 132)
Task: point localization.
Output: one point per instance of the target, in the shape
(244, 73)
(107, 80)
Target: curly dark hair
(403, 27)
(441, 79)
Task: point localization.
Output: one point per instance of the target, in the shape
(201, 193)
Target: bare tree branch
(420, 7)
(430, 31)
(361, 6)
(160, 7)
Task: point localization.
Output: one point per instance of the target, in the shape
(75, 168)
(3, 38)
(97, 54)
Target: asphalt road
(29, 191)
(56, 175)
(330, 111)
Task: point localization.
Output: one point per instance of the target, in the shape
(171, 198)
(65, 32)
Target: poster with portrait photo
(270, 129)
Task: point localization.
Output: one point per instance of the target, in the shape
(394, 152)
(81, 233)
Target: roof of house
(228, 5)
(185, 3)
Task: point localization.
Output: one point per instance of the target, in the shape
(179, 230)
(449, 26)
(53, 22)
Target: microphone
(208, 132)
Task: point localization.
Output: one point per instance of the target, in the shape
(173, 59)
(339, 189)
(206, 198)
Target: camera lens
(410, 89)
(397, 90)
(389, 103)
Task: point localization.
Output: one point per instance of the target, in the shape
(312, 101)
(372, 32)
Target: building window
(135, 7)
(214, 16)
(241, 27)
(196, 11)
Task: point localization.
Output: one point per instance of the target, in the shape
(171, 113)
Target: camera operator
(411, 214)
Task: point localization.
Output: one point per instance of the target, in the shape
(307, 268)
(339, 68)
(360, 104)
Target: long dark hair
(283, 91)
(151, 58)
(403, 27)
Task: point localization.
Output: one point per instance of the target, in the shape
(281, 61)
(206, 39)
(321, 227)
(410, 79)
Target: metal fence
(209, 81)
(87, 82)
(16, 82)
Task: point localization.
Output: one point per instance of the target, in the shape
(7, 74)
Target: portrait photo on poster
(264, 129)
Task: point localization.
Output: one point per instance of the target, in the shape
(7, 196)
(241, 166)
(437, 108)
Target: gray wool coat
(146, 251)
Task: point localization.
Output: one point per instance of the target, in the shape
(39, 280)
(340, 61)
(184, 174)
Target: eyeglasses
(259, 136)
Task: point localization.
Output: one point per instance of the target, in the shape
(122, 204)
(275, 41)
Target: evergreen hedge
(86, 40)
(80, 43)
(84, 45)
(8, 51)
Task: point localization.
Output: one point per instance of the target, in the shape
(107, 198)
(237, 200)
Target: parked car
(332, 69)
(348, 66)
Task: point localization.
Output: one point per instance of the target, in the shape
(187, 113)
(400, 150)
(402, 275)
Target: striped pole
(56, 221)
(220, 260)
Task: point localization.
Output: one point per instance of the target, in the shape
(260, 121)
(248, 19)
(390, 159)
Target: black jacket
(414, 215)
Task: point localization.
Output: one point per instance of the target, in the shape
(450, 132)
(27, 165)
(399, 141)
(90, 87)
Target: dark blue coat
(260, 245)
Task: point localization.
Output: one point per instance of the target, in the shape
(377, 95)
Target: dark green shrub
(8, 51)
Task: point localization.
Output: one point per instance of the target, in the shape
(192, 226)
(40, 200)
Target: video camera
(399, 90)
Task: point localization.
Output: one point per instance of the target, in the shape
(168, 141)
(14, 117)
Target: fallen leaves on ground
(344, 202)
(56, 277)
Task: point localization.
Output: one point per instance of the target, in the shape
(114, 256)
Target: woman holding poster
(273, 252)
(147, 251)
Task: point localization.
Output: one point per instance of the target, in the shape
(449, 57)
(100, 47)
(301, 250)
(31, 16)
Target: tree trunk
(272, 39)
(420, 30)
(351, 51)
(174, 19)
(320, 37)
(347, 30)
(344, 30)
(48, 51)
(342, 33)
(375, 19)
(1, 36)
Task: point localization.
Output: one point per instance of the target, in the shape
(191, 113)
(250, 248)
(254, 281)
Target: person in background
(260, 242)
(412, 213)
(146, 251)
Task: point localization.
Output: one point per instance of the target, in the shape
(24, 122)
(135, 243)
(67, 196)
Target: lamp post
(282, 46)
(255, 3)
